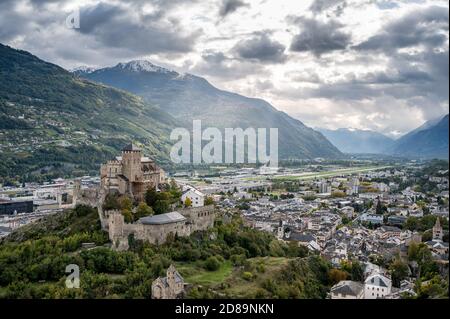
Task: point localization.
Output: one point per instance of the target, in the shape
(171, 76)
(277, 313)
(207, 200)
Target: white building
(324, 188)
(371, 218)
(377, 286)
(197, 197)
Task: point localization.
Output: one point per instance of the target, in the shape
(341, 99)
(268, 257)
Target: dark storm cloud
(14, 22)
(421, 27)
(319, 37)
(44, 2)
(119, 27)
(407, 77)
(260, 48)
(227, 68)
(98, 16)
(229, 6)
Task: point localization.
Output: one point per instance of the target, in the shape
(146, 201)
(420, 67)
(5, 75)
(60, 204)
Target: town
(369, 219)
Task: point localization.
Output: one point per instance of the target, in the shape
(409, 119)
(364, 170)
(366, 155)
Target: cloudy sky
(367, 64)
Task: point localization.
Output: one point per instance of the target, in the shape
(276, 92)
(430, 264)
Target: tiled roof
(347, 287)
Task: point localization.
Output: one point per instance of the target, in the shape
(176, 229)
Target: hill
(52, 122)
(33, 261)
(358, 141)
(427, 141)
(188, 97)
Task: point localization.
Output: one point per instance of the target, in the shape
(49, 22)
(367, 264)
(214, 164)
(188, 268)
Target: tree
(127, 215)
(151, 196)
(125, 203)
(209, 201)
(379, 208)
(212, 263)
(188, 202)
(161, 207)
(173, 184)
(110, 202)
(399, 271)
(336, 275)
(353, 268)
(143, 210)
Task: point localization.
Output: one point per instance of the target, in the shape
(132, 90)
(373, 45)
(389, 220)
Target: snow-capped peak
(142, 66)
(84, 69)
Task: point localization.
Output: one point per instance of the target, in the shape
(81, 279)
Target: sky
(380, 65)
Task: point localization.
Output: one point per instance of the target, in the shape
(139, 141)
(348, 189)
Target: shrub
(246, 275)
(212, 263)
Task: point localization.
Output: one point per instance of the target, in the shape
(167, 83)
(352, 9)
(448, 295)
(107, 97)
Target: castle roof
(131, 147)
(161, 219)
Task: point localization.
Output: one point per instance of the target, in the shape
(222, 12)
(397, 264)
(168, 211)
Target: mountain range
(430, 140)
(427, 141)
(54, 122)
(358, 141)
(187, 97)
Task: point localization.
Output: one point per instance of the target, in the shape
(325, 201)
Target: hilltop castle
(131, 174)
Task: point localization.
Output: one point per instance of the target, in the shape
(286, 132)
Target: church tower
(171, 276)
(437, 230)
(280, 231)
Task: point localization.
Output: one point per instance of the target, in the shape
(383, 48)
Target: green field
(333, 173)
(228, 280)
(195, 274)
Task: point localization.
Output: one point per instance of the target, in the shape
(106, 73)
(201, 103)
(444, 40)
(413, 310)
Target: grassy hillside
(52, 122)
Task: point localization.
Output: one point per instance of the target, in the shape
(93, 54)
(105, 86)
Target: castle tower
(437, 230)
(76, 191)
(171, 276)
(131, 161)
(115, 225)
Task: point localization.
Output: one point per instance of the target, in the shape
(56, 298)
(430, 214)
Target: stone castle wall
(203, 217)
(198, 218)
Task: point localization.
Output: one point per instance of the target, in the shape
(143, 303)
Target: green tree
(125, 203)
(127, 216)
(188, 202)
(161, 207)
(399, 271)
(209, 201)
(151, 196)
(379, 208)
(143, 210)
(212, 263)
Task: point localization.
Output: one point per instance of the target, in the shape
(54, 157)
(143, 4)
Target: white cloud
(391, 91)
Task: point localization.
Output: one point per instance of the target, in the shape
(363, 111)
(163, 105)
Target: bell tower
(437, 230)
